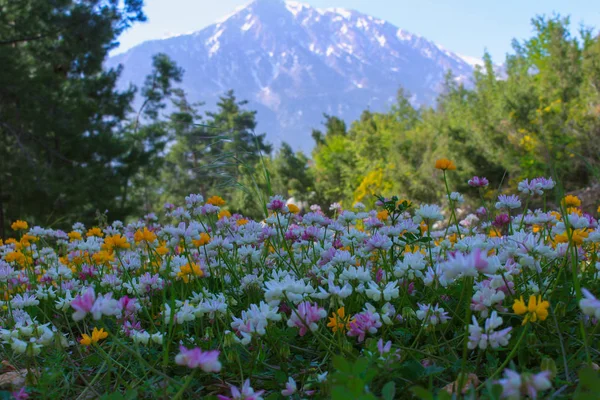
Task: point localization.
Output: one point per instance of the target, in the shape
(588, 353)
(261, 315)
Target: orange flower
(27, 239)
(339, 321)
(115, 241)
(445, 164)
(97, 335)
(294, 209)
(224, 213)
(383, 215)
(574, 210)
(241, 221)
(578, 235)
(204, 239)
(162, 249)
(15, 256)
(144, 235)
(571, 201)
(94, 232)
(535, 309)
(74, 236)
(216, 201)
(19, 225)
(103, 257)
(188, 271)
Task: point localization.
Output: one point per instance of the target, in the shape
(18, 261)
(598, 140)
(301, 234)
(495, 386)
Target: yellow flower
(383, 215)
(339, 321)
(574, 210)
(97, 335)
(571, 201)
(15, 256)
(534, 310)
(103, 257)
(162, 249)
(294, 209)
(27, 239)
(241, 221)
(224, 213)
(116, 241)
(144, 235)
(74, 236)
(445, 164)
(204, 239)
(577, 236)
(19, 225)
(94, 232)
(216, 201)
(186, 272)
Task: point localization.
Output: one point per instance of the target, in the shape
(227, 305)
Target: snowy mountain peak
(294, 62)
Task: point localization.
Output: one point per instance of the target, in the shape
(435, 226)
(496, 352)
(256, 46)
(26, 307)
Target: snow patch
(361, 23)
(380, 39)
(213, 42)
(330, 51)
(296, 7)
(248, 25)
(472, 61)
(344, 29)
(403, 35)
(347, 14)
(347, 48)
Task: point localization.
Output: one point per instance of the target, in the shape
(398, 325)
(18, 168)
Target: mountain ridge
(294, 62)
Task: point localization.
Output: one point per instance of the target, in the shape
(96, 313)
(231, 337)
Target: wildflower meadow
(402, 301)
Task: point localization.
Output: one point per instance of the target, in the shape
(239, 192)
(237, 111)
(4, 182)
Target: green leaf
(421, 393)
(280, 377)
(389, 391)
(341, 364)
(433, 370)
(443, 395)
(360, 366)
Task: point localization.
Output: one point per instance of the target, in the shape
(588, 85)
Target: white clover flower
(429, 213)
(457, 197)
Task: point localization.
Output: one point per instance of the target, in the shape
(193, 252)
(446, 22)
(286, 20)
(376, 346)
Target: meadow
(404, 300)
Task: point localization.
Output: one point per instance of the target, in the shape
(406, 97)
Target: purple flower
(208, 361)
(544, 183)
(276, 204)
(247, 393)
(363, 323)
(83, 304)
(384, 349)
(481, 212)
(501, 220)
(505, 201)
(379, 242)
(478, 182)
(20, 395)
(306, 317)
(290, 387)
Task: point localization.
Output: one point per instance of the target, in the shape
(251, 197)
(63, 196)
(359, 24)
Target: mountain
(294, 62)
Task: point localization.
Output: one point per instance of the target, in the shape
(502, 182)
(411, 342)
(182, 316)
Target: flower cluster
(211, 290)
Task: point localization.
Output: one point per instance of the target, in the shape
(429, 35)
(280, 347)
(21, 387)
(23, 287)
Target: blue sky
(466, 27)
